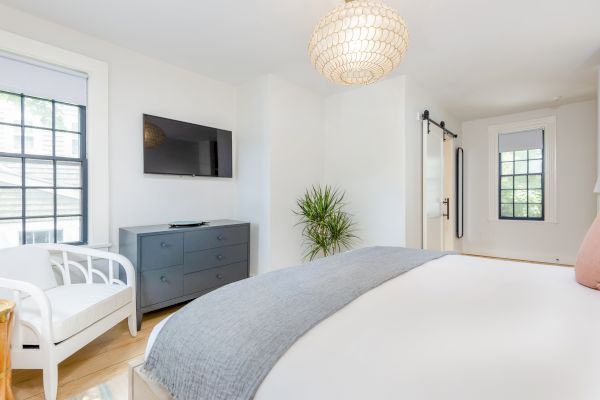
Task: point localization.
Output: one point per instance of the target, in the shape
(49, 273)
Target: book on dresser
(174, 265)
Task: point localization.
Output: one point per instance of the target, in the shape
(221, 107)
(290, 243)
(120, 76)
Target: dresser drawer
(214, 277)
(161, 285)
(216, 237)
(159, 251)
(205, 259)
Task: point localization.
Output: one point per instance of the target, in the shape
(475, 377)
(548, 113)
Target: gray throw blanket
(222, 345)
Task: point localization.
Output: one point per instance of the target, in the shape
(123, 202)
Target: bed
(457, 327)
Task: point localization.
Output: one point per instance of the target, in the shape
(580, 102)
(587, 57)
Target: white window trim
(96, 118)
(548, 124)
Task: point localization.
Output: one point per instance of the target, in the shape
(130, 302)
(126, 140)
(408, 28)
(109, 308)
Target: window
(43, 187)
(521, 175)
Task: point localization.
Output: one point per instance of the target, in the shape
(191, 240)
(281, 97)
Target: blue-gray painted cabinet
(174, 265)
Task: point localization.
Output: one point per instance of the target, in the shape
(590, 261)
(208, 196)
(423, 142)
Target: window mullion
(54, 169)
(23, 191)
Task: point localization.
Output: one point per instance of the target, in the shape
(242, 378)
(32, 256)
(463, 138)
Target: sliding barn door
(433, 187)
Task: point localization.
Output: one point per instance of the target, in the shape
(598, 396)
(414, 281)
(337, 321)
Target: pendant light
(359, 42)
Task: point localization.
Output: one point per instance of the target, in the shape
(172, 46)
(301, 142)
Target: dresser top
(164, 228)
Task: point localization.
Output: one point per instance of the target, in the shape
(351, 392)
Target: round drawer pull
(219, 276)
(220, 237)
(163, 279)
(163, 244)
(220, 257)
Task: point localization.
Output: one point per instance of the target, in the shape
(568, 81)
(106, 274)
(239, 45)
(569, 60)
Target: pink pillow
(587, 265)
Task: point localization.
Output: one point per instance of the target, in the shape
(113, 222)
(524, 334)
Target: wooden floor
(103, 360)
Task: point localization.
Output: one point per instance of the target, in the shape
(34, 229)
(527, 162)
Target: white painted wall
(253, 163)
(297, 149)
(137, 85)
(576, 160)
(364, 133)
(279, 128)
(286, 138)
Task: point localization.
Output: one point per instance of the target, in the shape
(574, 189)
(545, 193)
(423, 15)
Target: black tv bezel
(144, 115)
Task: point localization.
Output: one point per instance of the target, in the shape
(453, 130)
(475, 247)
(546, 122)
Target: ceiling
(477, 58)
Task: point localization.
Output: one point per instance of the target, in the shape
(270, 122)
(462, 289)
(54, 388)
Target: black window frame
(23, 156)
(513, 175)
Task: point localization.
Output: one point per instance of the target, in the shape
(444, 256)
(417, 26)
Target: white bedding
(460, 328)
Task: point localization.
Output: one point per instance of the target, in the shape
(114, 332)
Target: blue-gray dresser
(174, 265)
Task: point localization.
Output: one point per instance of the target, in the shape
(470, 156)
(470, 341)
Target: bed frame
(140, 386)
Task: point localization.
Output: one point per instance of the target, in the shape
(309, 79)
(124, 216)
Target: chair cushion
(27, 263)
(587, 265)
(74, 308)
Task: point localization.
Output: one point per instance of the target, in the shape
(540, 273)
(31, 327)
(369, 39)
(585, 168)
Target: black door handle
(447, 204)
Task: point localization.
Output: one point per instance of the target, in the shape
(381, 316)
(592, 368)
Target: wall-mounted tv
(180, 148)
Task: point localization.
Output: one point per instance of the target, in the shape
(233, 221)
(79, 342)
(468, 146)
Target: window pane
(39, 202)
(507, 182)
(10, 171)
(39, 230)
(535, 211)
(507, 168)
(39, 172)
(38, 141)
(10, 232)
(535, 181)
(68, 201)
(521, 155)
(520, 196)
(507, 156)
(535, 167)
(67, 144)
(521, 210)
(38, 113)
(520, 167)
(10, 139)
(68, 174)
(67, 117)
(10, 201)
(506, 196)
(506, 210)
(10, 108)
(535, 154)
(68, 229)
(535, 196)
(520, 182)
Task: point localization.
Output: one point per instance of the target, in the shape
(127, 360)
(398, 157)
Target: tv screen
(180, 148)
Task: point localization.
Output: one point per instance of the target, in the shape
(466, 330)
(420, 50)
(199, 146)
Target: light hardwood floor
(97, 369)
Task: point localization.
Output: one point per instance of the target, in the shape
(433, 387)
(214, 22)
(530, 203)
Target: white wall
(297, 148)
(364, 156)
(576, 160)
(279, 129)
(137, 85)
(286, 138)
(253, 163)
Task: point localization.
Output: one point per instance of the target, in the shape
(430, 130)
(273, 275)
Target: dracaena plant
(326, 227)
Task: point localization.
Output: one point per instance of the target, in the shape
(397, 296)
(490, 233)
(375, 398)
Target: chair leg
(51, 381)
(132, 322)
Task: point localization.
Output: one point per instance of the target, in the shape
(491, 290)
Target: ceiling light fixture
(359, 42)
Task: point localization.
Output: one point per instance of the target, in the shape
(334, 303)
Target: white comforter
(460, 328)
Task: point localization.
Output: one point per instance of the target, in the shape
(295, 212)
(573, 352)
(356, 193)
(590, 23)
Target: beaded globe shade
(359, 42)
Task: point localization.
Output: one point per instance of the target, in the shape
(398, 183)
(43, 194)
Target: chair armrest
(39, 297)
(97, 254)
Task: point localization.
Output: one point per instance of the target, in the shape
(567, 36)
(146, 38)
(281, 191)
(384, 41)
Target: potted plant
(326, 227)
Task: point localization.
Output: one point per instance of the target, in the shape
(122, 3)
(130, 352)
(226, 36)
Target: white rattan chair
(54, 320)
